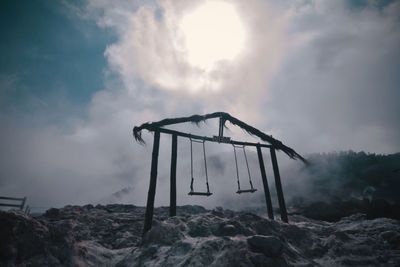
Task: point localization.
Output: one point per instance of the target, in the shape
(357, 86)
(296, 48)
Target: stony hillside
(111, 236)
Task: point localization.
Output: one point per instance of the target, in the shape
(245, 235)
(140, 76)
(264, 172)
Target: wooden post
(221, 130)
(265, 183)
(153, 181)
(23, 203)
(278, 185)
(172, 203)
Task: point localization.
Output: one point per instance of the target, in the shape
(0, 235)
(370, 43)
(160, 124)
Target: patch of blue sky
(48, 51)
(360, 4)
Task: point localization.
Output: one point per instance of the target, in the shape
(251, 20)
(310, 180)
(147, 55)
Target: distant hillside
(330, 177)
(339, 184)
(347, 175)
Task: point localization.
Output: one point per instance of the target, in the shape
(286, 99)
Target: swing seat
(192, 193)
(246, 191)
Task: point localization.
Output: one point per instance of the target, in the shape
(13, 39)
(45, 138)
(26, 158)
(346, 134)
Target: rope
(248, 169)
(237, 169)
(191, 165)
(247, 165)
(205, 165)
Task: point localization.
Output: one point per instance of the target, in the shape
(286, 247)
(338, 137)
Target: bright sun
(213, 32)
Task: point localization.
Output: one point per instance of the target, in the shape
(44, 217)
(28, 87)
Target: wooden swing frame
(157, 128)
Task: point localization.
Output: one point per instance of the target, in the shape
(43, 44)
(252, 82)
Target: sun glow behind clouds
(213, 33)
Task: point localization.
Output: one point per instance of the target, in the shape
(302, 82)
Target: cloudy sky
(76, 76)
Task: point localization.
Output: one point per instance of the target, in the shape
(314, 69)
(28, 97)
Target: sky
(76, 76)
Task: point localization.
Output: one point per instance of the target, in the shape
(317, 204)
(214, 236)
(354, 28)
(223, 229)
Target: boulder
(162, 234)
(270, 246)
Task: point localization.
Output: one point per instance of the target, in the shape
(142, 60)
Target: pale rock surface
(112, 236)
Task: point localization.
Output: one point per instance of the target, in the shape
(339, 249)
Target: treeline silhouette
(355, 171)
(338, 184)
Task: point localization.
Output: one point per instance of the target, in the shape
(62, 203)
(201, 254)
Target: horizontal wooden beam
(9, 205)
(210, 139)
(12, 198)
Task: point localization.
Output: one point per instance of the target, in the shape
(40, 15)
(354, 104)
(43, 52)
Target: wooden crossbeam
(20, 206)
(10, 205)
(12, 198)
(210, 139)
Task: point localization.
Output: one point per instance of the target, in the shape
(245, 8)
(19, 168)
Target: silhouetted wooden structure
(273, 144)
(13, 202)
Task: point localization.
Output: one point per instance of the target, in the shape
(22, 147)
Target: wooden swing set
(273, 145)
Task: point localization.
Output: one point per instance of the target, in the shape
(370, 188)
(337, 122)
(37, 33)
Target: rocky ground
(111, 236)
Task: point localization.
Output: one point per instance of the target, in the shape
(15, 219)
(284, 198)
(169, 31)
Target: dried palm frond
(197, 119)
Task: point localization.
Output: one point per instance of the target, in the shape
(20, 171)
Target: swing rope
(237, 169)
(248, 169)
(205, 165)
(192, 192)
(252, 189)
(191, 165)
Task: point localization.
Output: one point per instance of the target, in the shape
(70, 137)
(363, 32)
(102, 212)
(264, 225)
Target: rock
(52, 213)
(23, 238)
(192, 209)
(229, 230)
(262, 261)
(392, 237)
(219, 209)
(200, 226)
(270, 246)
(331, 211)
(112, 236)
(163, 233)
